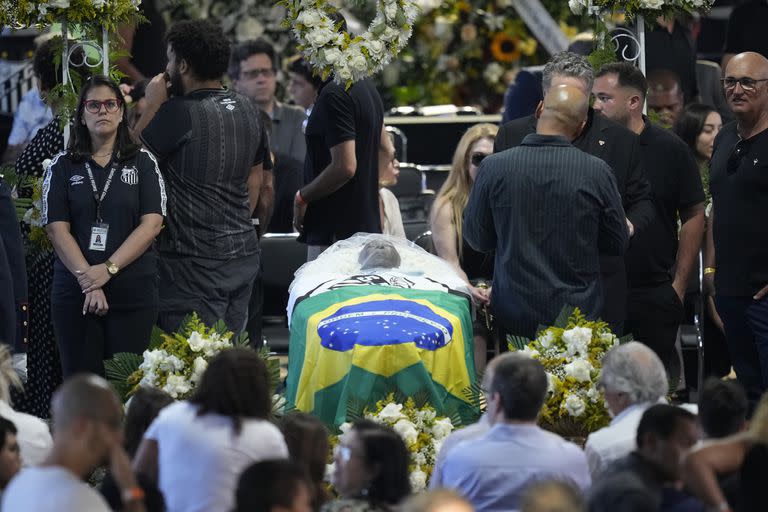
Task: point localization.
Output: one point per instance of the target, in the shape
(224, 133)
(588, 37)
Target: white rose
(575, 406)
(196, 341)
(418, 480)
(579, 369)
(391, 413)
(390, 10)
(407, 431)
(355, 60)
(198, 368)
(333, 55)
(390, 34)
(375, 48)
(442, 428)
(576, 6)
(577, 340)
(651, 4)
(319, 37)
(177, 386)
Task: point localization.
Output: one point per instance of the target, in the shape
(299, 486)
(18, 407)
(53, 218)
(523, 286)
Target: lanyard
(96, 197)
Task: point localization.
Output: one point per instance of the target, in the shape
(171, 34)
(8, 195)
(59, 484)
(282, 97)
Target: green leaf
(565, 315)
(517, 342)
(119, 369)
(156, 338)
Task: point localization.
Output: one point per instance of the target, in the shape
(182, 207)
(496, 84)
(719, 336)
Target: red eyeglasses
(94, 106)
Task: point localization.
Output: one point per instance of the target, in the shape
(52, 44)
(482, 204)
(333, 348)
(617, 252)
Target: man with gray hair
(612, 143)
(633, 379)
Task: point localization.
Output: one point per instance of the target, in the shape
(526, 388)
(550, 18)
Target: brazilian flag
(358, 342)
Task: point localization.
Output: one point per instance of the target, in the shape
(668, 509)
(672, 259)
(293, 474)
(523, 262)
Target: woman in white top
(389, 169)
(195, 450)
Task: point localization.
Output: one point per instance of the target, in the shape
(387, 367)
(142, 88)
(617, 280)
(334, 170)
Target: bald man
(87, 433)
(736, 258)
(548, 210)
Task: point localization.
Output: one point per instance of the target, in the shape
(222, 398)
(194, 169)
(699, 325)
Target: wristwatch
(112, 268)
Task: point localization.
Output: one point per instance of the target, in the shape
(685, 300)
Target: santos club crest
(130, 176)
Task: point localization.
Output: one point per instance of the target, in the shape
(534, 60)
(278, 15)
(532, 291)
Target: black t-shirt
(740, 201)
(746, 29)
(339, 116)
(136, 189)
(675, 185)
(674, 52)
(288, 178)
(207, 142)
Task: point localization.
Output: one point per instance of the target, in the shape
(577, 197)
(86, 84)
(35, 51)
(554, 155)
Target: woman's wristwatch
(112, 268)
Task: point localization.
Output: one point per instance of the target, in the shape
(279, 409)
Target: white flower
(390, 10)
(407, 431)
(177, 386)
(551, 382)
(419, 459)
(389, 34)
(99, 3)
(332, 55)
(249, 28)
(442, 428)
(546, 339)
(651, 4)
(493, 73)
(530, 352)
(593, 394)
(344, 427)
(319, 37)
(391, 413)
(577, 340)
(418, 480)
(375, 49)
(575, 406)
(172, 364)
(46, 164)
(58, 4)
(196, 341)
(355, 60)
(310, 18)
(436, 445)
(576, 6)
(579, 369)
(198, 368)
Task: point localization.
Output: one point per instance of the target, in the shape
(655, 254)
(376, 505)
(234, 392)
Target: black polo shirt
(746, 28)
(675, 185)
(338, 116)
(740, 200)
(136, 189)
(207, 141)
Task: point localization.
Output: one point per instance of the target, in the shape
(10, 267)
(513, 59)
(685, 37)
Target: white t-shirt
(51, 489)
(200, 458)
(34, 435)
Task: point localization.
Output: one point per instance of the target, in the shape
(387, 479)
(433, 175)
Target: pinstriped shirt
(548, 210)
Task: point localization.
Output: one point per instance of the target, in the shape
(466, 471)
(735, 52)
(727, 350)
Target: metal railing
(14, 87)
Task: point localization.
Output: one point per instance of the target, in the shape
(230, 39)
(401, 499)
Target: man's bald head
(564, 111)
(748, 64)
(84, 396)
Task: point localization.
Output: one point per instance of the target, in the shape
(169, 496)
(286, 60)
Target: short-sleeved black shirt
(136, 189)
(740, 201)
(207, 142)
(746, 28)
(675, 185)
(339, 116)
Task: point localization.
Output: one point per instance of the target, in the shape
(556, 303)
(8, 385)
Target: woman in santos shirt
(103, 205)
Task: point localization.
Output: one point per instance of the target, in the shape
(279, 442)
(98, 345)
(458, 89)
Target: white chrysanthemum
(575, 406)
(407, 431)
(391, 413)
(418, 480)
(579, 369)
(442, 428)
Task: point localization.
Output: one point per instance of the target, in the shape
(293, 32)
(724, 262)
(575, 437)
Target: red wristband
(300, 199)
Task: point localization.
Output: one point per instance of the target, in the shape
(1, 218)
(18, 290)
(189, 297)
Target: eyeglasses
(256, 73)
(477, 158)
(746, 83)
(94, 106)
(734, 159)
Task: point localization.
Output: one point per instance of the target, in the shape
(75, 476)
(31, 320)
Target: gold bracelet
(709, 270)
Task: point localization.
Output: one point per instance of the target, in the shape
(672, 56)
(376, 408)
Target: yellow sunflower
(504, 48)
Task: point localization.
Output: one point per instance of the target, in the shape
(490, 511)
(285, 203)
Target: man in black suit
(615, 145)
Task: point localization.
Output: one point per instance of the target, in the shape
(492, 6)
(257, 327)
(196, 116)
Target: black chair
(435, 175)
(281, 255)
(410, 183)
(424, 241)
(414, 230)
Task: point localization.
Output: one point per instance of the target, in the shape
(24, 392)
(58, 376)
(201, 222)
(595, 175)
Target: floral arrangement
(649, 9)
(468, 52)
(106, 13)
(571, 352)
(332, 51)
(175, 362)
(420, 428)
(33, 218)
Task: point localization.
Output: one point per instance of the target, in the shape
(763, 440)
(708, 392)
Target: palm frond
(517, 342)
(563, 317)
(156, 338)
(119, 369)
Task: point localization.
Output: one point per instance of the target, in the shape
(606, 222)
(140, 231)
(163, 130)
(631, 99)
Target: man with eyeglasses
(736, 259)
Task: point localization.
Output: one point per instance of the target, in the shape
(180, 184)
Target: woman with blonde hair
(446, 221)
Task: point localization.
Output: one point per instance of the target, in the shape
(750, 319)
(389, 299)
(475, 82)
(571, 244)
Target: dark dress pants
(653, 317)
(746, 330)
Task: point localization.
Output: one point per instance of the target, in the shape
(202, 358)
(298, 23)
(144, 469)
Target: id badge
(99, 237)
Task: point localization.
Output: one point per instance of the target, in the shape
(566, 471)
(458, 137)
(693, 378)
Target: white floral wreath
(331, 51)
